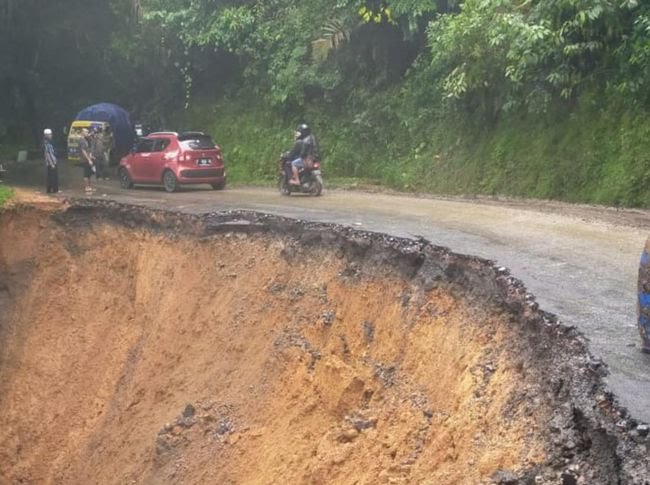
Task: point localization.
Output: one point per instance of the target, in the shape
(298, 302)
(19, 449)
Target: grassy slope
(594, 155)
(5, 194)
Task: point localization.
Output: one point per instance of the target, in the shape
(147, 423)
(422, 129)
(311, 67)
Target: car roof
(186, 135)
(162, 133)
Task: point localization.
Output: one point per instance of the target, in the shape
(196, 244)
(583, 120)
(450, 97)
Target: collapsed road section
(142, 346)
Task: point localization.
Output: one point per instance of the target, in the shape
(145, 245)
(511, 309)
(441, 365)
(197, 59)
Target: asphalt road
(581, 262)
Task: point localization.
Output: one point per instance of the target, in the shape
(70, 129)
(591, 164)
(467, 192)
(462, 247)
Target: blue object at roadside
(643, 299)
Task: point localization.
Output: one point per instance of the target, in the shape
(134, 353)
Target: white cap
(47, 131)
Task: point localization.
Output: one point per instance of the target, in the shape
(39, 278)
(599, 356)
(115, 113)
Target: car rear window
(144, 145)
(160, 144)
(196, 142)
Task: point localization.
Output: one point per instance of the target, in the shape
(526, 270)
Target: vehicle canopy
(119, 120)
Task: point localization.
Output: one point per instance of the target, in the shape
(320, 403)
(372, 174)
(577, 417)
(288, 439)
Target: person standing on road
(86, 160)
(109, 145)
(51, 164)
(99, 152)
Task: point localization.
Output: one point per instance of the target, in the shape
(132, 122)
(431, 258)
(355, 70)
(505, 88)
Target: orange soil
(296, 373)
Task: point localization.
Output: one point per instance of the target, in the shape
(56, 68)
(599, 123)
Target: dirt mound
(142, 347)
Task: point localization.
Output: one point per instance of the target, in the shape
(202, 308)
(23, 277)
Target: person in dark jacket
(305, 152)
(87, 162)
(51, 163)
(99, 149)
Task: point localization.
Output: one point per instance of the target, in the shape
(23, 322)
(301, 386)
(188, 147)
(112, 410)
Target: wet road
(581, 262)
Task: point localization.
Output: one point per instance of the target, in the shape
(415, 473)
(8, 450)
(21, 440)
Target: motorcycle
(311, 180)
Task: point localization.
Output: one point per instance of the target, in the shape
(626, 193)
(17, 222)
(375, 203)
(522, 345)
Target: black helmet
(304, 130)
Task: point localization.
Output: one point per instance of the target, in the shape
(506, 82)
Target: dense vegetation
(535, 98)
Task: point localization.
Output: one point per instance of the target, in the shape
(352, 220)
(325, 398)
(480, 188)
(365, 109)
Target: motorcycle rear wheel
(283, 187)
(317, 186)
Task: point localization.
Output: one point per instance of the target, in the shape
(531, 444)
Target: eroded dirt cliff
(149, 347)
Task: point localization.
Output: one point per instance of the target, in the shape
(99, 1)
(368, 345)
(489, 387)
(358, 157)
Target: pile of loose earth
(201, 351)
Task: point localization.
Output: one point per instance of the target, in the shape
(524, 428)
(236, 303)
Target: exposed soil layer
(143, 346)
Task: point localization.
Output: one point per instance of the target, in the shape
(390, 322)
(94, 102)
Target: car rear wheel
(125, 178)
(170, 182)
(219, 186)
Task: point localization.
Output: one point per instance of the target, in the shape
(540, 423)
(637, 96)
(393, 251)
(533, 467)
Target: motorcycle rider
(304, 152)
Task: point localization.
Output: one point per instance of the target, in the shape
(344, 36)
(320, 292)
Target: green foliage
(595, 153)
(251, 138)
(598, 154)
(633, 55)
(272, 38)
(544, 98)
(470, 52)
(499, 55)
(411, 13)
(6, 193)
(286, 49)
(55, 58)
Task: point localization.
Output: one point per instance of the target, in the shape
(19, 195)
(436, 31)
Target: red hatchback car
(173, 159)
